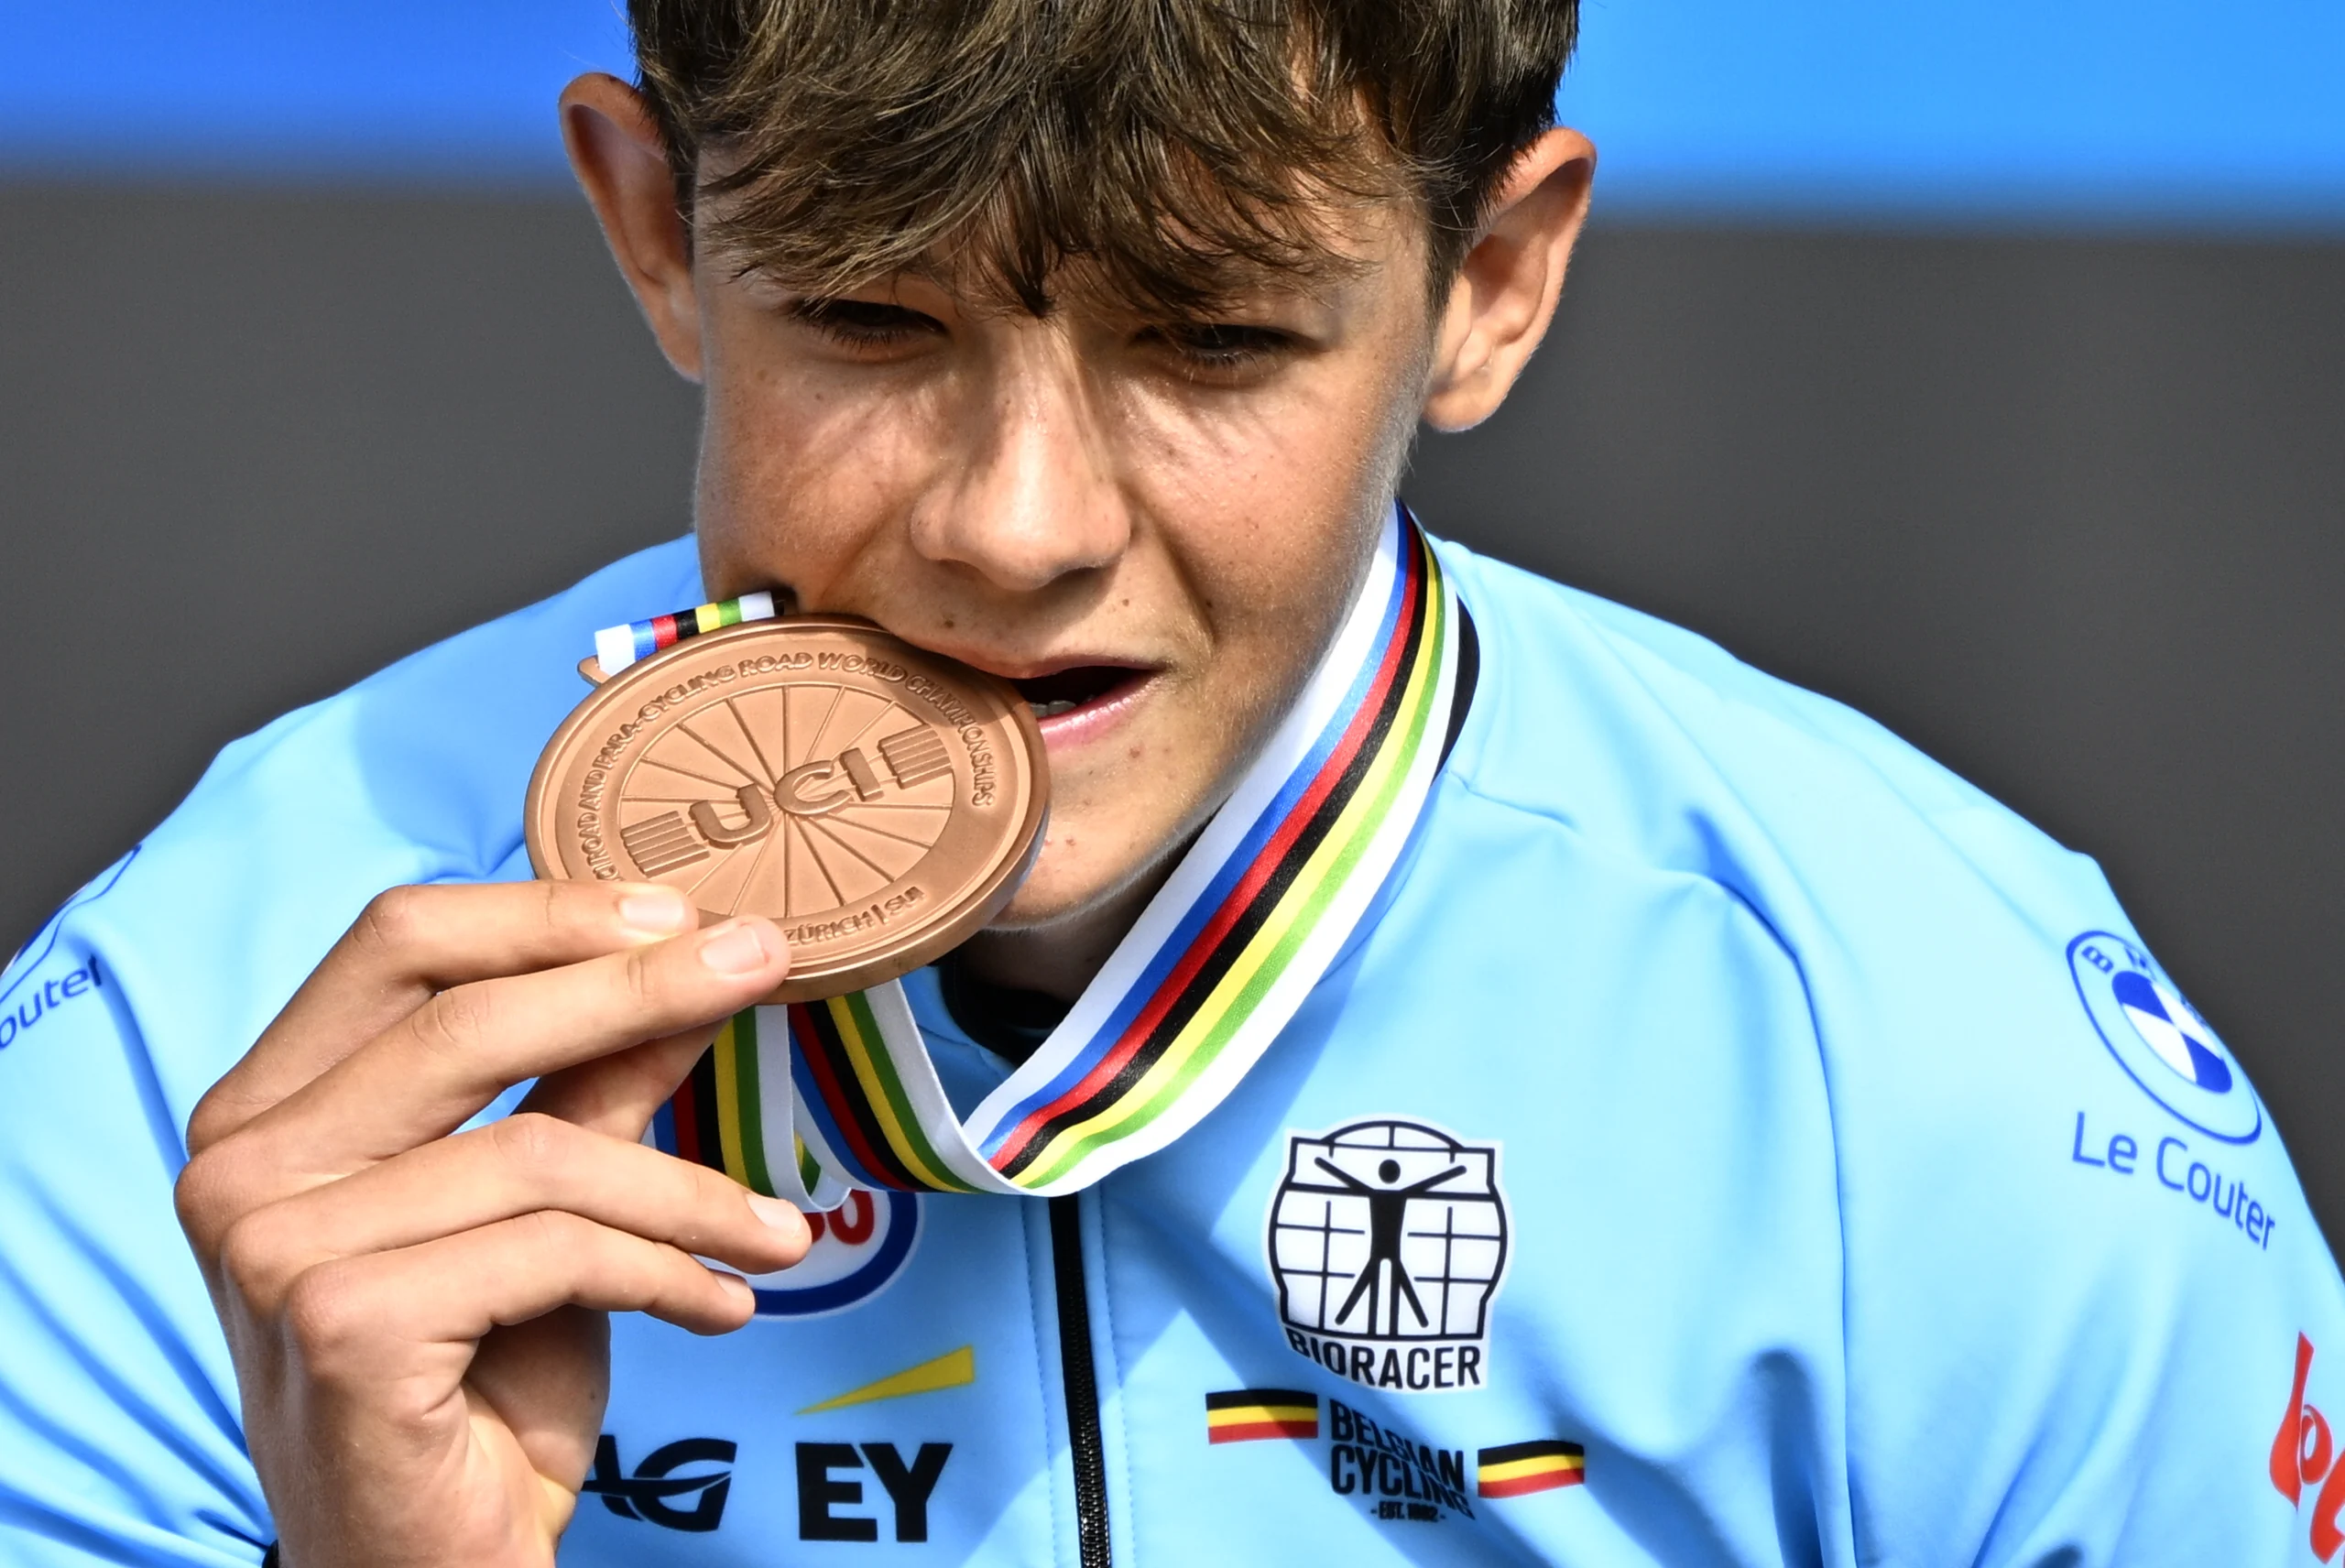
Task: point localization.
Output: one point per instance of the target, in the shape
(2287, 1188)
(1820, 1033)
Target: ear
(621, 163)
(1505, 291)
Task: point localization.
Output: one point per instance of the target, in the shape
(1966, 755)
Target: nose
(1033, 497)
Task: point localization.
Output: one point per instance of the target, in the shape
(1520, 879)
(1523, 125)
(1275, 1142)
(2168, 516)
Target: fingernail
(738, 1289)
(657, 911)
(779, 1215)
(734, 949)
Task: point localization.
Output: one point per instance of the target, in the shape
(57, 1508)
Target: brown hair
(1166, 147)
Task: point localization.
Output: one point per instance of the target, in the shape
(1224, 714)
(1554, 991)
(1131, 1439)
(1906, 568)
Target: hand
(417, 1315)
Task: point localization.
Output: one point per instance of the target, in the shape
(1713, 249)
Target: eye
(865, 323)
(1224, 347)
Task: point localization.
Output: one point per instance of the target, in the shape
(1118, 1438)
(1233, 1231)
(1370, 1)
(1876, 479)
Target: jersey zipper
(1081, 1380)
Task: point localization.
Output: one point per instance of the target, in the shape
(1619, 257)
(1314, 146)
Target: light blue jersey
(1729, 1139)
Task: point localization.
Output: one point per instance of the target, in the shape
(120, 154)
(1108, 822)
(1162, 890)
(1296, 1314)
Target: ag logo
(2162, 1044)
(693, 1502)
(1388, 1240)
(858, 1247)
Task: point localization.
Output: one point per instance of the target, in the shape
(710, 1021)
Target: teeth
(1052, 709)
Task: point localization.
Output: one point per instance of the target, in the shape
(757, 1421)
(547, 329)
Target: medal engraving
(878, 802)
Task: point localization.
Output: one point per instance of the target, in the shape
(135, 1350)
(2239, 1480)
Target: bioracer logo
(1388, 1241)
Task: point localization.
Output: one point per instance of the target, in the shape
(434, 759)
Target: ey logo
(2304, 1453)
(823, 1488)
(656, 1494)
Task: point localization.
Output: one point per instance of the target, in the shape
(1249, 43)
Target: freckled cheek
(1305, 453)
(792, 476)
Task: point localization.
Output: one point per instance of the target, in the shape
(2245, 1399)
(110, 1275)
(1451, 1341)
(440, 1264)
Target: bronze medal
(878, 802)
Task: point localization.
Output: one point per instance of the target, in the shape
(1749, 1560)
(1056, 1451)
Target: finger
(521, 1165)
(377, 1317)
(412, 942)
(427, 1074)
(546, 1381)
(618, 1094)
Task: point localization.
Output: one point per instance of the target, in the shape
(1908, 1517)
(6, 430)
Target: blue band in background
(2084, 112)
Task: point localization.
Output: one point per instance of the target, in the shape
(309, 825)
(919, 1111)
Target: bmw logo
(2163, 1044)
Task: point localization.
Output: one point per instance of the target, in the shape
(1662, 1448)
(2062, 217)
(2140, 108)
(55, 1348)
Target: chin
(1061, 890)
(1042, 902)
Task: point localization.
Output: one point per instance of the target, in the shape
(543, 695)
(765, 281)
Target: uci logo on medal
(2160, 1040)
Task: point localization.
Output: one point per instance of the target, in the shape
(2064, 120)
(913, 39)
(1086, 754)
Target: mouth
(1078, 699)
(1077, 689)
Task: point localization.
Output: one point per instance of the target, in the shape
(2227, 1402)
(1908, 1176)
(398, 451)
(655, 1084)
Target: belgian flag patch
(1245, 1415)
(1516, 1468)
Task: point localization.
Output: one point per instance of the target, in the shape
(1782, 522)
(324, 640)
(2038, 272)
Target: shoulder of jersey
(1654, 744)
(1905, 897)
(435, 750)
(415, 774)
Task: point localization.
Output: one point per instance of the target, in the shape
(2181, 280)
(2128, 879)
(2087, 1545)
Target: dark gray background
(2068, 513)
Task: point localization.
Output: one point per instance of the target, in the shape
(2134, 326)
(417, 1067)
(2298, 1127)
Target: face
(1152, 527)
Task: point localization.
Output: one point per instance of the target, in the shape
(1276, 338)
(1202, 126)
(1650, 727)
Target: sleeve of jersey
(2091, 1319)
(119, 1438)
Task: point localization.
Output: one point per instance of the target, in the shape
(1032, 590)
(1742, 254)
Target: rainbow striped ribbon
(807, 1102)
(616, 648)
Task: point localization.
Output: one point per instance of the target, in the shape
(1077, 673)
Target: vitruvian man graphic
(1388, 1230)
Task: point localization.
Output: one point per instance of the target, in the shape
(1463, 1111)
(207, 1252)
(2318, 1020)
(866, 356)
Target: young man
(1696, 1129)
